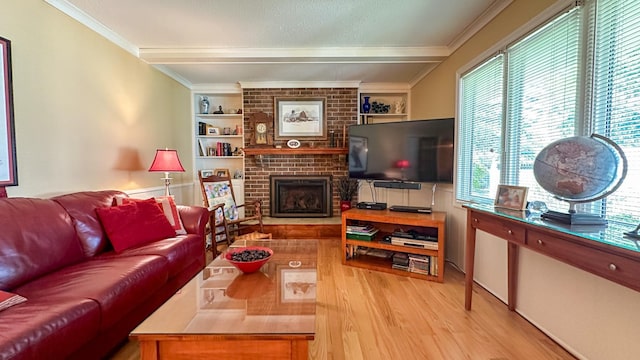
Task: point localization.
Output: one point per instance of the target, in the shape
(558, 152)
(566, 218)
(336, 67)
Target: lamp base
(167, 182)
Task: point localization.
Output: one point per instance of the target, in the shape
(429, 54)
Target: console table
(600, 250)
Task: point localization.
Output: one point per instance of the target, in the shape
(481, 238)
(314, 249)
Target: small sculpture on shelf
(400, 106)
(219, 111)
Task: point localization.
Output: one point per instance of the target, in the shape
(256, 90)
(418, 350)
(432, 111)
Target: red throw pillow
(168, 207)
(134, 224)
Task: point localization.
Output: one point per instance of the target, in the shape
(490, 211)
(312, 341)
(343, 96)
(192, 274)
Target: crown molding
(82, 17)
(217, 88)
(298, 84)
(482, 20)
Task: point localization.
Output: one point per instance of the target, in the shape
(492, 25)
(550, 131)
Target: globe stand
(574, 218)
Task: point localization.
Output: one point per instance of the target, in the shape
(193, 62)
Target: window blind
(480, 123)
(542, 81)
(616, 96)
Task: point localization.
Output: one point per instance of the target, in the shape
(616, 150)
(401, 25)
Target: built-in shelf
(299, 151)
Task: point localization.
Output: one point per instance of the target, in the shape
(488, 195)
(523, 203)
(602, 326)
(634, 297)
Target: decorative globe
(580, 168)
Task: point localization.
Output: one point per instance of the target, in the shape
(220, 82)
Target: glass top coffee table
(225, 314)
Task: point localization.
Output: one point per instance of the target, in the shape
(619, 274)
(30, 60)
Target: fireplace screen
(300, 196)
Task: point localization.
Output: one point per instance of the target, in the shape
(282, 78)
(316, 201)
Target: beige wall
(80, 101)
(592, 317)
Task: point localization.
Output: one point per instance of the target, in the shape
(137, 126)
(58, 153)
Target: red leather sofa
(83, 298)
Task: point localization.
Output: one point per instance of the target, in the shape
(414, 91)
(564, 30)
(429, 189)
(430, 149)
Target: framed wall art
(511, 197)
(8, 166)
(297, 118)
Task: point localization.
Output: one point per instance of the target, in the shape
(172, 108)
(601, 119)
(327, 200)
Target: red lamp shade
(166, 160)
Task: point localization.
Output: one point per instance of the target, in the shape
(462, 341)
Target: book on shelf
(433, 266)
(364, 237)
(419, 265)
(401, 259)
(381, 253)
(8, 299)
(400, 267)
(355, 229)
(203, 147)
(366, 233)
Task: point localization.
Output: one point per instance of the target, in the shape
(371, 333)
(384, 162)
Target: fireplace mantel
(299, 151)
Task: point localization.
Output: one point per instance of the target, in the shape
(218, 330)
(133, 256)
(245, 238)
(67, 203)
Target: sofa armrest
(194, 218)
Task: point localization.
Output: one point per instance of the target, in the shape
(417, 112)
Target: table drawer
(616, 268)
(507, 230)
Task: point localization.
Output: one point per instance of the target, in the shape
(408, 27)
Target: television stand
(387, 223)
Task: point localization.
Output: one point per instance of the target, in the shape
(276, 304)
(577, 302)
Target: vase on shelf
(345, 205)
(366, 106)
(204, 105)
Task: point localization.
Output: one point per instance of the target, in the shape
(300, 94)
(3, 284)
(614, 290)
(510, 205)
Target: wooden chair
(218, 197)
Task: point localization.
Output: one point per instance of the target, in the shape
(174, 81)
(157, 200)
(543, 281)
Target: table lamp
(166, 161)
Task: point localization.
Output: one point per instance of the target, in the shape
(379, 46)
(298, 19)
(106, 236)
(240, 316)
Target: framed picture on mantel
(297, 118)
(8, 166)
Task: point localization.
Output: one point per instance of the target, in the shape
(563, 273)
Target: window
(577, 74)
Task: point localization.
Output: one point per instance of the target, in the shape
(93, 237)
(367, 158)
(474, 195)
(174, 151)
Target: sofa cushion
(36, 237)
(40, 326)
(117, 284)
(179, 251)
(134, 224)
(168, 207)
(81, 207)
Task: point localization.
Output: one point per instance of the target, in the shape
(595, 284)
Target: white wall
(591, 317)
(80, 102)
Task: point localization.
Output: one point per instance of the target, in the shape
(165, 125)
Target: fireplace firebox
(300, 195)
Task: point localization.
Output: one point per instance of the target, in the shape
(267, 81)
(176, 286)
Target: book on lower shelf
(366, 233)
(379, 253)
(420, 264)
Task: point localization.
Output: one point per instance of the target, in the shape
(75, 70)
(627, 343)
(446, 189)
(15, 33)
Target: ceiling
(201, 42)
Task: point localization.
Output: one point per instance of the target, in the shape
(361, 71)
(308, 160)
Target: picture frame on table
(206, 173)
(511, 197)
(212, 130)
(221, 172)
(8, 165)
(297, 118)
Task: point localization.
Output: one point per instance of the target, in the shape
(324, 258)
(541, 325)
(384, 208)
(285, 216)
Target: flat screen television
(410, 151)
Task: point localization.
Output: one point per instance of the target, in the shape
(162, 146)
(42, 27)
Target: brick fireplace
(342, 110)
(300, 195)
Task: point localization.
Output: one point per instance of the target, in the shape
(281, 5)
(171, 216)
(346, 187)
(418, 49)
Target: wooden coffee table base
(220, 347)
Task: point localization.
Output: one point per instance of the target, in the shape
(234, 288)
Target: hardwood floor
(371, 315)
